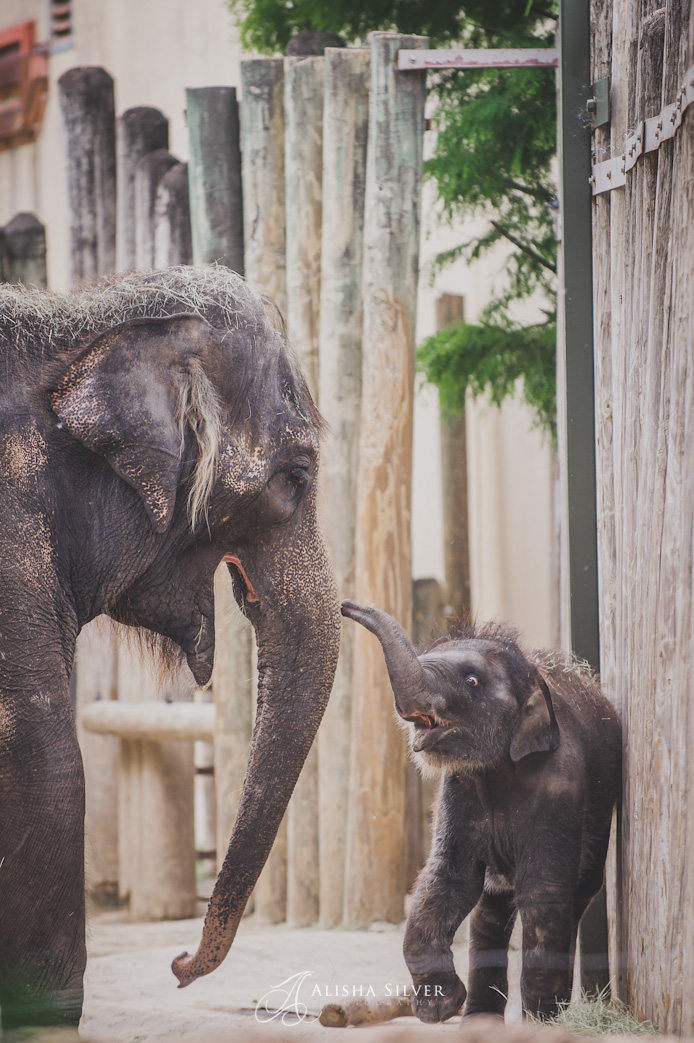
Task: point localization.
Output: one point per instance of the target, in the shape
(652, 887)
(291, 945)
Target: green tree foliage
(495, 141)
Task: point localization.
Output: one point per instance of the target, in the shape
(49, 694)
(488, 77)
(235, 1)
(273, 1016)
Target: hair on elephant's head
(174, 431)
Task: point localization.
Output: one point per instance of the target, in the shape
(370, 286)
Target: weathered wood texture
(234, 694)
(262, 133)
(23, 250)
(214, 176)
(97, 681)
(149, 172)
(450, 308)
(644, 358)
(375, 873)
(138, 131)
(156, 838)
(345, 128)
(172, 235)
(304, 80)
(87, 106)
(428, 620)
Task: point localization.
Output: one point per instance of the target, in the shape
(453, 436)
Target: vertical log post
(87, 106)
(138, 131)
(234, 698)
(96, 673)
(24, 251)
(172, 235)
(304, 80)
(214, 176)
(449, 309)
(345, 129)
(156, 838)
(376, 822)
(205, 811)
(262, 133)
(216, 219)
(149, 172)
(88, 112)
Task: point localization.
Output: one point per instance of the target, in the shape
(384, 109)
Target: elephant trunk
(296, 665)
(404, 669)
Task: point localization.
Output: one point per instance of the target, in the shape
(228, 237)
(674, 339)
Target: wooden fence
(643, 260)
(280, 195)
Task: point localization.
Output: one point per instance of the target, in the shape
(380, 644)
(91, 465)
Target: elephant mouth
(249, 593)
(429, 729)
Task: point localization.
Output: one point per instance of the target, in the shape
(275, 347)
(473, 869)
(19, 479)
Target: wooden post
(304, 80)
(262, 135)
(149, 172)
(214, 176)
(138, 131)
(156, 838)
(24, 251)
(86, 102)
(345, 129)
(451, 308)
(172, 235)
(97, 679)
(304, 88)
(234, 697)
(376, 823)
(205, 811)
(87, 106)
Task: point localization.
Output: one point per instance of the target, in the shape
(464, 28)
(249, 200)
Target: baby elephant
(529, 751)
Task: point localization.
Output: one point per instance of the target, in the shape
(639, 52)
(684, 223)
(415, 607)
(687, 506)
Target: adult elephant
(150, 429)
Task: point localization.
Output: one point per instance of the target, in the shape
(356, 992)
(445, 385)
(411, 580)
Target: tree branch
(541, 194)
(522, 246)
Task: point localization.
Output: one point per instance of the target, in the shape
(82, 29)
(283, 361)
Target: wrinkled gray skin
(530, 757)
(95, 476)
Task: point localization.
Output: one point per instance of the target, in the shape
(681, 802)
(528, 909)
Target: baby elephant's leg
(549, 937)
(491, 924)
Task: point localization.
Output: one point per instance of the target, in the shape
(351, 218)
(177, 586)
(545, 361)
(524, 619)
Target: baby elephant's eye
(472, 681)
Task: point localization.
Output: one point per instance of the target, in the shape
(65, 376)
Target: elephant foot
(25, 1008)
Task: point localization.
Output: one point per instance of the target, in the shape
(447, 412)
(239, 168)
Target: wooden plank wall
(644, 355)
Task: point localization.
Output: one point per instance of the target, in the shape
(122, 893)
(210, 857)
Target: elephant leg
(491, 924)
(549, 942)
(42, 948)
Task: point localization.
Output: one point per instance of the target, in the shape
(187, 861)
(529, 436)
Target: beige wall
(510, 465)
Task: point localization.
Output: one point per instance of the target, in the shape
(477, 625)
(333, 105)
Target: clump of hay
(55, 322)
(600, 1016)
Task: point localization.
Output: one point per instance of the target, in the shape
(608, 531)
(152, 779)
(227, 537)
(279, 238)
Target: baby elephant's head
(471, 701)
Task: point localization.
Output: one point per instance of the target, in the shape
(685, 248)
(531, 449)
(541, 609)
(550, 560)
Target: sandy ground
(131, 994)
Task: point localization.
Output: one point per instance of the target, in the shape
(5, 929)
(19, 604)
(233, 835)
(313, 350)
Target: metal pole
(575, 363)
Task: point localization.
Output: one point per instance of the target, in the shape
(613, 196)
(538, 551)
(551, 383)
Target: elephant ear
(120, 398)
(537, 730)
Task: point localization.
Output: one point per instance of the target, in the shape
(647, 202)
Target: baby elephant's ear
(119, 397)
(537, 730)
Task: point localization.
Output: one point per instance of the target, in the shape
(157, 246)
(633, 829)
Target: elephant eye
(472, 681)
(298, 477)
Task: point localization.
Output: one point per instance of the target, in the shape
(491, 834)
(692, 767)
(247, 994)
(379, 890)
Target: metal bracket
(598, 104)
(486, 58)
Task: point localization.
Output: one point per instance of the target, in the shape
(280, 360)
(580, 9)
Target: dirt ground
(131, 994)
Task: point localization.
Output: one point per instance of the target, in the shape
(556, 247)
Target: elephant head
(471, 701)
(172, 431)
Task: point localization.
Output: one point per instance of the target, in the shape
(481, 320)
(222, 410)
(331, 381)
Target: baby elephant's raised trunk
(404, 669)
